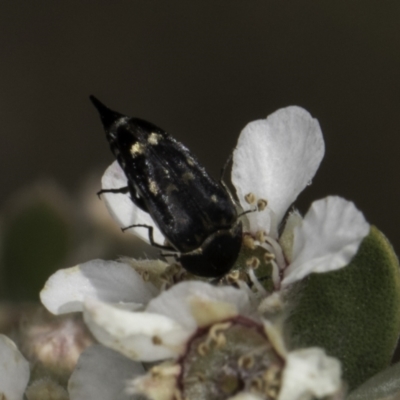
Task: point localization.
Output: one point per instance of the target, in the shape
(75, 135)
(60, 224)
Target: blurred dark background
(202, 70)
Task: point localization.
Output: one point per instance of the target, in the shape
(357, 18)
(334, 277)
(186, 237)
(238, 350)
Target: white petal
(275, 336)
(121, 207)
(14, 370)
(275, 159)
(102, 374)
(246, 396)
(328, 238)
(293, 220)
(194, 303)
(109, 281)
(139, 336)
(310, 373)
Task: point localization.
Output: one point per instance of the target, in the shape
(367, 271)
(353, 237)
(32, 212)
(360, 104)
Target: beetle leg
(151, 238)
(247, 212)
(122, 190)
(223, 170)
(175, 255)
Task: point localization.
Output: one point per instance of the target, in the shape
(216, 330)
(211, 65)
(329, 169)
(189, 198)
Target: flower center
(228, 358)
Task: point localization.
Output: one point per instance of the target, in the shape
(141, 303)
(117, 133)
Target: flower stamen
(256, 283)
(216, 336)
(246, 361)
(253, 262)
(277, 251)
(203, 348)
(250, 198)
(261, 204)
(233, 276)
(248, 241)
(256, 385)
(268, 257)
(156, 340)
(260, 236)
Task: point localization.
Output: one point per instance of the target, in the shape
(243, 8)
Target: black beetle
(195, 213)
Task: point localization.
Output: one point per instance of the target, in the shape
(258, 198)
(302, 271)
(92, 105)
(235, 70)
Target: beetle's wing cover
(184, 201)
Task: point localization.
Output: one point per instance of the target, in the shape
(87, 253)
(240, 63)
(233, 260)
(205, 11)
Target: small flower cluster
(165, 335)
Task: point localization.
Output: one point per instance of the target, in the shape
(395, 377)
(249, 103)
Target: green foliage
(353, 313)
(384, 386)
(35, 243)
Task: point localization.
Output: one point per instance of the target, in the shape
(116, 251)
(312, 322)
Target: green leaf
(353, 313)
(36, 241)
(385, 385)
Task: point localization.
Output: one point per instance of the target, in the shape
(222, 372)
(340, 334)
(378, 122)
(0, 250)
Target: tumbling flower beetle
(195, 213)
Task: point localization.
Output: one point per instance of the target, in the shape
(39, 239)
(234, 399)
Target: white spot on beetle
(137, 148)
(121, 121)
(153, 187)
(187, 176)
(154, 138)
(166, 172)
(171, 188)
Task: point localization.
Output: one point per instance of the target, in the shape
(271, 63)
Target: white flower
(161, 331)
(14, 370)
(275, 159)
(309, 373)
(110, 281)
(102, 374)
(215, 342)
(158, 333)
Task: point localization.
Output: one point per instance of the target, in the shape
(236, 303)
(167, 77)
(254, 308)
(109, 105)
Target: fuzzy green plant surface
(353, 313)
(383, 386)
(35, 242)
